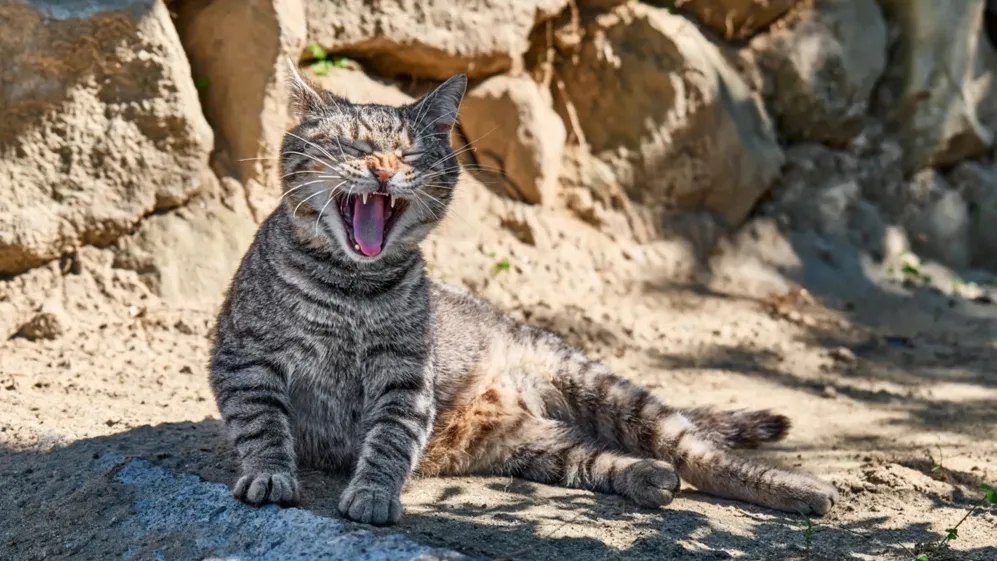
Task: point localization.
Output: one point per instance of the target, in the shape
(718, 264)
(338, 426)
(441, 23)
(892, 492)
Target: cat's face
(375, 178)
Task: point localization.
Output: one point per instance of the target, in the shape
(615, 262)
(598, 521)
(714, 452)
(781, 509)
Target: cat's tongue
(368, 223)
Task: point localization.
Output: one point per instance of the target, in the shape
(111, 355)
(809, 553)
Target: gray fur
(328, 357)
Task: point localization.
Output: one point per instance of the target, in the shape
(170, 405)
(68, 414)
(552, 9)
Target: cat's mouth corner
(367, 219)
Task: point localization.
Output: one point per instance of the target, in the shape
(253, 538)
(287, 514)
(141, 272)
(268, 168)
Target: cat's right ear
(305, 98)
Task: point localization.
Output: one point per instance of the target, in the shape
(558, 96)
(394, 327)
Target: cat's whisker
(296, 187)
(286, 175)
(302, 201)
(449, 114)
(330, 156)
(331, 198)
(463, 150)
(319, 161)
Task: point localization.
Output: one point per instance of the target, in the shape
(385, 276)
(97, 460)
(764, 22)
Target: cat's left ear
(304, 95)
(437, 111)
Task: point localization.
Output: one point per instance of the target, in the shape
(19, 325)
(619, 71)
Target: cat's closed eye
(356, 148)
(409, 156)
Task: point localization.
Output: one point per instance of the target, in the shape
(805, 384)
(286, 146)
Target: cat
(334, 349)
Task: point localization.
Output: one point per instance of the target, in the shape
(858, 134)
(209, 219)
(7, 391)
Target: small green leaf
(322, 67)
(316, 51)
(341, 62)
(502, 265)
(951, 534)
(201, 83)
(990, 493)
(922, 557)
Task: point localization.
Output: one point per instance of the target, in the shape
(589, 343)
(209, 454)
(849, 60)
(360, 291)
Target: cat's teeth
(392, 201)
(364, 196)
(356, 246)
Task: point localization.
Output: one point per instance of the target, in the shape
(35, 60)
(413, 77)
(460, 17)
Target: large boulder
(735, 19)
(822, 69)
(678, 126)
(433, 38)
(239, 53)
(188, 256)
(101, 124)
(939, 94)
(515, 131)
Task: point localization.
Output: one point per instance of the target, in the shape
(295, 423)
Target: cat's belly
(326, 424)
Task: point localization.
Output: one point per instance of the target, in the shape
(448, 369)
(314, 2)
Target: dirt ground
(892, 392)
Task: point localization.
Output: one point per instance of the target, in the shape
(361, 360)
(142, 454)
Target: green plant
(925, 552)
(808, 536)
(201, 83)
(321, 63)
(502, 265)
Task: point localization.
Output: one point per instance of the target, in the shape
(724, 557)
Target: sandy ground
(892, 391)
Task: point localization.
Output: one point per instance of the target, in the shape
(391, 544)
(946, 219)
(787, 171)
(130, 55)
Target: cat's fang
(392, 201)
(364, 197)
(356, 246)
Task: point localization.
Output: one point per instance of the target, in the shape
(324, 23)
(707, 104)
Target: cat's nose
(383, 175)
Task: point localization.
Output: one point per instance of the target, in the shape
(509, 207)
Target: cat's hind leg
(624, 416)
(496, 434)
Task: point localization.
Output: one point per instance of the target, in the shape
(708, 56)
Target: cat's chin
(367, 221)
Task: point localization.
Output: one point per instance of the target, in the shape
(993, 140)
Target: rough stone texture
(735, 19)
(360, 88)
(939, 93)
(188, 257)
(823, 68)
(976, 183)
(432, 39)
(937, 220)
(49, 323)
(514, 129)
(239, 51)
(679, 127)
(101, 124)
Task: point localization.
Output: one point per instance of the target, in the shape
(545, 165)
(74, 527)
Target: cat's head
(375, 178)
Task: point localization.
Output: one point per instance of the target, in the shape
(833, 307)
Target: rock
(101, 124)
(238, 54)
(513, 128)
(977, 184)
(823, 68)
(659, 103)
(360, 88)
(431, 39)
(939, 92)
(735, 19)
(24, 294)
(188, 257)
(49, 323)
(937, 220)
(843, 354)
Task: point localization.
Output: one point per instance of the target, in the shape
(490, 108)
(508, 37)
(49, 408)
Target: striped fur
(329, 358)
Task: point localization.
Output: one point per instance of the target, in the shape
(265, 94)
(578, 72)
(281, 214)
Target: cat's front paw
(258, 488)
(370, 505)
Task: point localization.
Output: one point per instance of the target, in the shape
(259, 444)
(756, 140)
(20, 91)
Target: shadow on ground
(72, 506)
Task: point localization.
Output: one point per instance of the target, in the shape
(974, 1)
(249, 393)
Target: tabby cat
(335, 350)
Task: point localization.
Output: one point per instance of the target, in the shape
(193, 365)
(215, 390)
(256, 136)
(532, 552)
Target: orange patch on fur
(463, 434)
(383, 161)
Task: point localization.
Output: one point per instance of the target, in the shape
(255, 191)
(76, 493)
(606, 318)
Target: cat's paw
(649, 483)
(818, 497)
(370, 505)
(809, 495)
(258, 488)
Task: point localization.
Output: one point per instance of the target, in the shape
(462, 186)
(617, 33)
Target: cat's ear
(437, 112)
(304, 95)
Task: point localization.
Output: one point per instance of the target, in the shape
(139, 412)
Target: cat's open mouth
(368, 218)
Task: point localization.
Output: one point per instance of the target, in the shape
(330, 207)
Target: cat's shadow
(490, 518)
